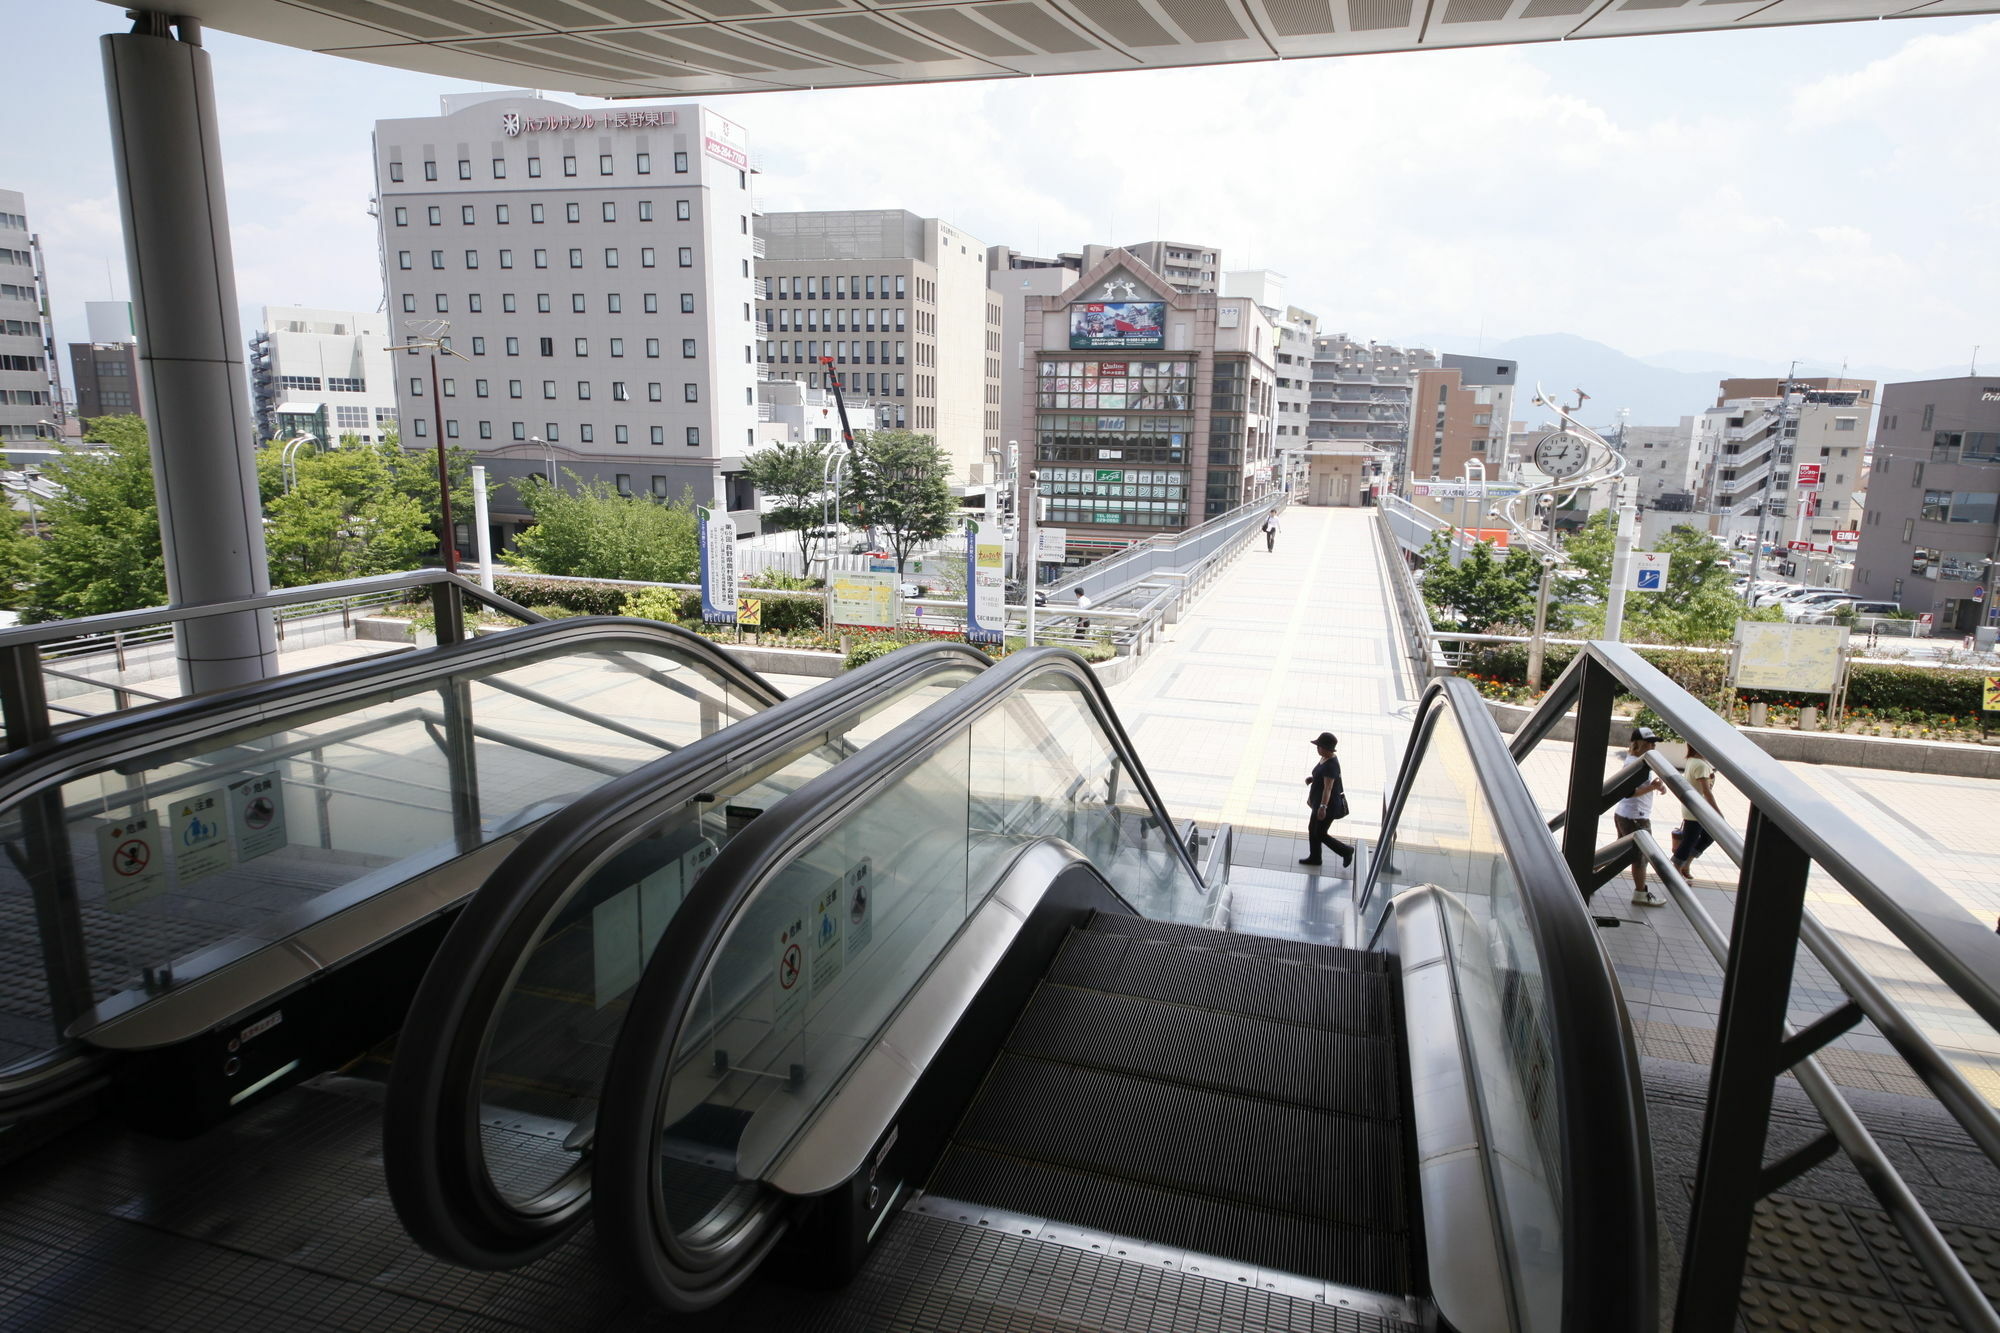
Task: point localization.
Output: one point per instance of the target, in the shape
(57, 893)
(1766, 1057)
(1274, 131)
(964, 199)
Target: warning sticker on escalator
(860, 916)
(789, 973)
(829, 914)
(257, 813)
(134, 867)
(201, 836)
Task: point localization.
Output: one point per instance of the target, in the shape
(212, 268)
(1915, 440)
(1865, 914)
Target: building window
(416, 386)
(551, 432)
(680, 162)
(465, 214)
(464, 169)
(548, 346)
(645, 164)
(535, 169)
(423, 427)
(690, 393)
(507, 302)
(573, 212)
(395, 171)
(687, 303)
(479, 388)
(653, 394)
(541, 259)
(617, 347)
(520, 430)
(451, 423)
(694, 436)
(541, 303)
(604, 164)
(506, 259)
(583, 390)
(437, 259)
(569, 166)
(683, 210)
(499, 168)
(472, 259)
(620, 435)
(485, 430)
(586, 433)
(645, 210)
(618, 392)
(536, 213)
(473, 303)
(614, 303)
(687, 256)
(513, 347)
(548, 388)
(1843, 423)
(1927, 417)
(659, 435)
(479, 346)
(513, 388)
(687, 347)
(652, 347)
(583, 347)
(624, 483)
(611, 257)
(402, 217)
(402, 259)
(576, 258)
(430, 171)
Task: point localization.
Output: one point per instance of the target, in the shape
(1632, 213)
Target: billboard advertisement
(1118, 324)
(715, 542)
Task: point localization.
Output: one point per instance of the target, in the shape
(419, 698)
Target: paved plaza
(1301, 639)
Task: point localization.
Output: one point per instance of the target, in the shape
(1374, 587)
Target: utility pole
(433, 340)
(1780, 457)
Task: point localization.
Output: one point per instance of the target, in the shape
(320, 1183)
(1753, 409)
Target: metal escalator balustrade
(493, 1096)
(806, 940)
(1793, 835)
(172, 867)
(1518, 1029)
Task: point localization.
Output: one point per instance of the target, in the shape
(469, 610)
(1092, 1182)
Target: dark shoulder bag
(1337, 807)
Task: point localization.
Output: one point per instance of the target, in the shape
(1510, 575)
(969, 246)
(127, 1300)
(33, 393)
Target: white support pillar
(168, 159)
(482, 528)
(1621, 560)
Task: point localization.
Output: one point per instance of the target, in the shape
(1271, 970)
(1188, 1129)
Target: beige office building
(900, 305)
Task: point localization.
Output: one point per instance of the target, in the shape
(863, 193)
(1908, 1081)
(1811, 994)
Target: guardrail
(1792, 830)
(1167, 554)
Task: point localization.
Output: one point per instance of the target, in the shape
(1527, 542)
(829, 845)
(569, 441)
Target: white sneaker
(1648, 899)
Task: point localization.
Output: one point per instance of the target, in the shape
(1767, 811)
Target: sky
(1822, 192)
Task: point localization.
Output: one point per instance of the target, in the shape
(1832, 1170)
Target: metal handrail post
(1596, 688)
(1749, 1043)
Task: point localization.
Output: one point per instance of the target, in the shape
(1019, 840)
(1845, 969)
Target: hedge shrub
(583, 599)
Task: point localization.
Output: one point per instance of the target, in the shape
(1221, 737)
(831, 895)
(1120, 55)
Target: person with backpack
(1326, 800)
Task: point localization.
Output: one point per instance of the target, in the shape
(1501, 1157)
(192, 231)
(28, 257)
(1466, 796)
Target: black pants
(1270, 540)
(1317, 836)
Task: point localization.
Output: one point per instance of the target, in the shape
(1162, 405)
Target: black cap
(1328, 740)
(1643, 734)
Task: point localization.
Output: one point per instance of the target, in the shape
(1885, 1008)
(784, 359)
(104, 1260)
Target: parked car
(1771, 594)
(1861, 613)
(1826, 601)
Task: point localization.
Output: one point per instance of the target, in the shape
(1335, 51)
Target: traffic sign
(1649, 571)
(1979, 594)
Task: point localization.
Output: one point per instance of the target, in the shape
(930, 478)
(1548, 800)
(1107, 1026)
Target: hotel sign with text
(513, 123)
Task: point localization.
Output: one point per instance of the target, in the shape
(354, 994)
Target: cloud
(1928, 69)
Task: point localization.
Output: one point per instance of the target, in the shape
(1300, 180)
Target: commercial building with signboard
(1932, 527)
(594, 267)
(1151, 407)
(901, 306)
(1759, 433)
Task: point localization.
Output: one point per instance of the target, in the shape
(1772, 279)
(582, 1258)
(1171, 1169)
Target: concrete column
(167, 153)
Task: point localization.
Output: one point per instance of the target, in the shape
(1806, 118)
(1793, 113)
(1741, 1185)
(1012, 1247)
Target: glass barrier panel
(234, 840)
(827, 948)
(544, 1062)
(1447, 836)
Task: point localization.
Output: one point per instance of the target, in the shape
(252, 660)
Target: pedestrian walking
(1326, 801)
(1271, 530)
(1635, 812)
(1082, 621)
(1692, 838)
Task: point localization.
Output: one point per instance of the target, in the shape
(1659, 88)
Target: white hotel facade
(596, 272)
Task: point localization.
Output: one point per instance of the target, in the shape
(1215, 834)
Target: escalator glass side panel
(149, 864)
(544, 1060)
(826, 918)
(1448, 836)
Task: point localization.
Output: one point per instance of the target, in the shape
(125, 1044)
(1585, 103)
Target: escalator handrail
(667, 991)
(1399, 791)
(1609, 1274)
(90, 745)
(439, 1183)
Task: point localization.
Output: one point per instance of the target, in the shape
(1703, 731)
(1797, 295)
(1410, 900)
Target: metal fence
(1165, 555)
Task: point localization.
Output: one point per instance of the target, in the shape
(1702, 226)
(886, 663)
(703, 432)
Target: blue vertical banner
(715, 539)
(985, 590)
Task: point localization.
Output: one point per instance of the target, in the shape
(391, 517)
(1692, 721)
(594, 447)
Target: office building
(901, 306)
(1361, 399)
(31, 402)
(105, 376)
(593, 270)
(323, 373)
(1930, 534)
(1152, 407)
(1014, 277)
(1667, 462)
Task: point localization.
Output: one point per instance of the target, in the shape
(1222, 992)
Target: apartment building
(1932, 527)
(1152, 407)
(31, 404)
(1292, 334)
(1772, 438)
(593, 269)
(1187, 266)
(901, 306)
(1361, 398)
(1667, 462)
(325, 374)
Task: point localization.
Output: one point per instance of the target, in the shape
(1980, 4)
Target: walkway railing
(1791, 830)
(1168, 554)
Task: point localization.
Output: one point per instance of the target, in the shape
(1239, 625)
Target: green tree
(793, 477)
(590, 531)
(1698, 606)
(901, 483)
(100, 548)
(415, 473)
(1485, 589)
(345, 516)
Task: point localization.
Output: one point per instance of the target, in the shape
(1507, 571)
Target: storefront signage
(1809, 474)
(513, 124)
(1118, 324)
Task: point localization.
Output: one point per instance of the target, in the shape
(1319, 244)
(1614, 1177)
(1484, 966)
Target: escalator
(969, 980)
(206, 900)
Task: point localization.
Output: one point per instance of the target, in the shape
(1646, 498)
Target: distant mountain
(1563, 362)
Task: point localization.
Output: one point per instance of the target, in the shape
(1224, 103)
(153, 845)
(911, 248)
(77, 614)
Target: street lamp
(30, 475)
(288, 459)
(429, 335)
(548, 457)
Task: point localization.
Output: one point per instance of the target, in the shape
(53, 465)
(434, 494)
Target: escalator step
(1226, 941)
(1290, 1159)
(1270, 988)
(1355, 1256)
(1326, 1071)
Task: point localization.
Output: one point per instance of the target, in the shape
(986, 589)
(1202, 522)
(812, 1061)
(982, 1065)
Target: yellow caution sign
(1991, 698)
(750, 611)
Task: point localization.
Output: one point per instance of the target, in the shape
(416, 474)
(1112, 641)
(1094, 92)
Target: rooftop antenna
(1975, 358)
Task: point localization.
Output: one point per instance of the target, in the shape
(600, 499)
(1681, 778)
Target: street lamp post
(548, 457)
(434, 342)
